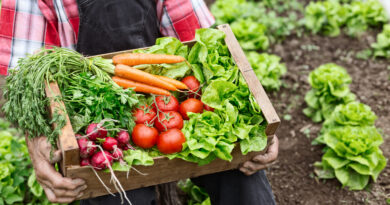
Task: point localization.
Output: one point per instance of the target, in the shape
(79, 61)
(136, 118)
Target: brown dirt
(292, 177)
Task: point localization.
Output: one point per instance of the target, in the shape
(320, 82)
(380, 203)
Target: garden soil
(292, 175)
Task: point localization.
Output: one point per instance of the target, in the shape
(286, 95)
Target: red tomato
(167, 103)
(193, 86)
(169, 120)
(190, 105)
(170, 141)
(208, 108)
(144, 136)
(144, 114)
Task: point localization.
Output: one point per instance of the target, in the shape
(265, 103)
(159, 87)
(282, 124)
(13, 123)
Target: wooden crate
(163, 170)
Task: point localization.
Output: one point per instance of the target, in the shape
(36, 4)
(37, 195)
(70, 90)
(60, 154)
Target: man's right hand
(58, 189)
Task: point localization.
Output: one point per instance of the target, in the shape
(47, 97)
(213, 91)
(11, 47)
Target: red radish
(110, 144)
(87, 148)
(123, 137)
(85, 162)
(193, 86)
(95, 131)
(126, 146)
(117, 154)
(99, 161)
(208, 108)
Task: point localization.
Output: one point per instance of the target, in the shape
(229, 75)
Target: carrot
(139, 87)
(130, 73)
(145, 58)
(176, 83)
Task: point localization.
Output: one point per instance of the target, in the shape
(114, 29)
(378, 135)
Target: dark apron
(115, 25)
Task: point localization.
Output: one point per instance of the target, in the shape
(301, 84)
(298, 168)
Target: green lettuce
(268, 69)
(352, 153)
(197, 195)
(382, 45)
(228, 11)
(250, 34)
(330, 87)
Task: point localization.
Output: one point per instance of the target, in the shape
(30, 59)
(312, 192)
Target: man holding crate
(101, 26)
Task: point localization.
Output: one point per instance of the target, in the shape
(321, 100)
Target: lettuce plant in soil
(250, 34)
(382, 45)
(330, 87)
(352, 153)
(268, 69)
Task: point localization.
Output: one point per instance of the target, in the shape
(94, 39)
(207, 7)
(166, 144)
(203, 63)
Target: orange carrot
(130, 73)
(139, 87)
(176, 83)
(145, 58)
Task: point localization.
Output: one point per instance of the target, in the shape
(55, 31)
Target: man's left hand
(261, 161)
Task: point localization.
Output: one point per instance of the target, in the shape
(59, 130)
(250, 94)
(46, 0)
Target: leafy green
(328, 17)
(89, 99)
(382, 45)
(268, 69)
(250, 34)
(330, 87)
(352, 153)
(17, 178)
(26, 101)
(171, 46)
(197, 195)
(228, 11)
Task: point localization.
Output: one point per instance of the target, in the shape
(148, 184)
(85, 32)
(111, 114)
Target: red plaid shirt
(27, 25)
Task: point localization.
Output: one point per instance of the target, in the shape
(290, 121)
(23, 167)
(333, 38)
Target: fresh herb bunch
(197, 195)
(250, 34)
(330, 87)
(352, 153)
(329, 17)
(268, 69)
(17, 178)
(89, 98)
(382, 45)
(26, 101)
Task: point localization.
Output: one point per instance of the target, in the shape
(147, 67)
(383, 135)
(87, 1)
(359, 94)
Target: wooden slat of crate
(165, 170)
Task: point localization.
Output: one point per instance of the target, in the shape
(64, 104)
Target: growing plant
(250, 34)
(352, 153)
(17, 178)
(382, 45)
(268, 69)
(330, 87)
(228, 11)
(196, 195)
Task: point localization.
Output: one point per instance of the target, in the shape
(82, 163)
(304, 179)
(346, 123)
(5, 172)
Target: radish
(123, 137)
(99, 161)
(85, 162)
(110, 144)
(117, 154)
(95, 131)
(87, 148)
(78, 136)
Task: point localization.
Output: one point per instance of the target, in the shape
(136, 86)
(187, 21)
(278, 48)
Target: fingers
(271, 154)
(51, 196)
(55, 157)
(249, 168)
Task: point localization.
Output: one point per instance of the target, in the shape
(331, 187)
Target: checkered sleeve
(26, 26)
(180, 18)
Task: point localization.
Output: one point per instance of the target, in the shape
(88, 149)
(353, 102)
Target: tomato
(144, 136)
(144, 114)
(193, 86)
(208, 108)
(169, 120)
(170, 141)
(167, 103)
(190, 105)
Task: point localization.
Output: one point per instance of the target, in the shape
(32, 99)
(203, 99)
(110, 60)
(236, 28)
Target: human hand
(261, 161)
(58, 189)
